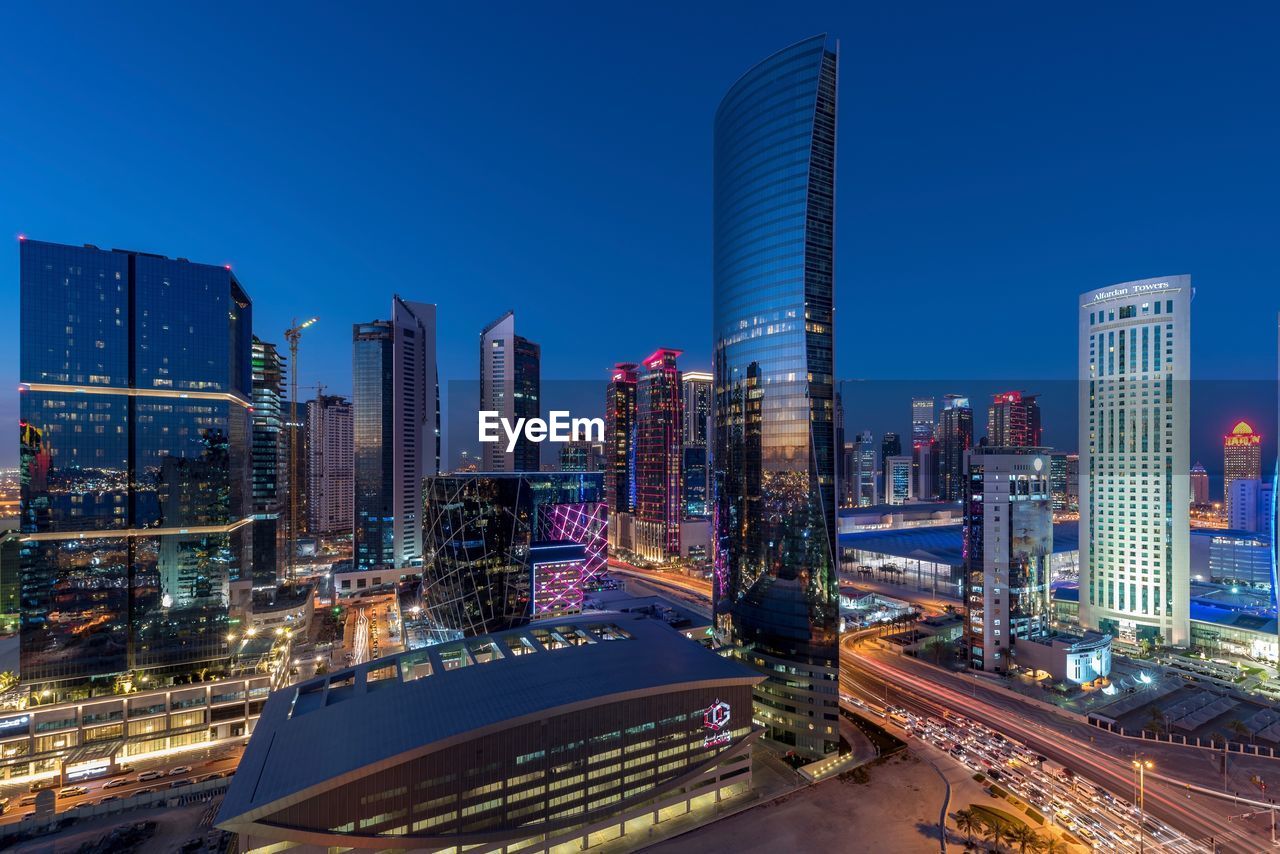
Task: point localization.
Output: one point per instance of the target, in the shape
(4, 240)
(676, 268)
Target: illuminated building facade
(136, 446)
(776, 593)
(1135, 371)
(659, 457)
(1199, 486)
(558, 569)
(330, 465)
(1241, 459)
(1008, 545)
(270, 462)
(955, 437)
(510, 384)
(898, 481)
(1013, 421)
(395, 400)
(484, 745)
(862, 474)
(620, 438)
(695, 468)
(921, 420)
(477, 577)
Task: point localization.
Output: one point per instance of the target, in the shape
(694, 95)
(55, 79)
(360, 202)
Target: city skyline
(878, 240)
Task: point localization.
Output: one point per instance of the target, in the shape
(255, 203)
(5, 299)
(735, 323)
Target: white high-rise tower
(1135, 371)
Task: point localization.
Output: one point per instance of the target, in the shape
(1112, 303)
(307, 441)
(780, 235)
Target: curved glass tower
(776, 589)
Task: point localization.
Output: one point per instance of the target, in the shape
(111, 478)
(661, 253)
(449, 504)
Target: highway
(1104, 758)
(219, 759)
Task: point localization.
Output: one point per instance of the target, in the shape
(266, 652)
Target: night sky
(995, 161)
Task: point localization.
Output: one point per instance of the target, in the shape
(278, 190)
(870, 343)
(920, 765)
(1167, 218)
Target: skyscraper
(136, 446)
(1134, 438)
(890, 446)
(863, 477)
(1008, 543)
(921, 420)
(510, 385)
(330, 465)
(775, 582)
(270, 462)
(620, 438)
(696, 475)
(1241, 458)
(659, 455)
(1013, 421)
(395, 401)
(955, 436)
(898, 482)
(1199, 486)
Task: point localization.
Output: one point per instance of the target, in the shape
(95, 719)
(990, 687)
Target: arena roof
(318, 734)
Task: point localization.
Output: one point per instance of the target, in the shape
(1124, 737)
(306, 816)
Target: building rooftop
(318, 734)
(941, 544)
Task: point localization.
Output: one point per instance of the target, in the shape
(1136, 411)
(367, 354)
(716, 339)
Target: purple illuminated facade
(587, 524)
(659, 420)
(559, 569)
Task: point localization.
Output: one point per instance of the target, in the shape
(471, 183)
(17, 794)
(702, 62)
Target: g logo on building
(716, 716)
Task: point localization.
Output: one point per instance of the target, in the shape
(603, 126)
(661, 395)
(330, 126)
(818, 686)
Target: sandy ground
(174, 826)
(896, 810)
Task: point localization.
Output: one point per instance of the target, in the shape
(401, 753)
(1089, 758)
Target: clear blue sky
(995, 160)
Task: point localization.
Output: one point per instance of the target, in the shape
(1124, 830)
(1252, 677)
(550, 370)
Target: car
(144, 792)
(181, 769)
(109, 798)
(176, 783)
(46, 783)
(125, 769)
(207, 777)
(73, 791)
(117, 782)
(146, 776)
(27, 801)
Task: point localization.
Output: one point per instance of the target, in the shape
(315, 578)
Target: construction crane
(293, 335)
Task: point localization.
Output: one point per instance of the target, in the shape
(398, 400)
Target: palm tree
(1050, 844)
(967, 822)
(1024, 837)
(992, 827)
(1238, 728)
(1003, 833)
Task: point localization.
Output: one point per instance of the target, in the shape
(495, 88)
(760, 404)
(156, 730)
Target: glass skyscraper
(776, 590)
(135, 455)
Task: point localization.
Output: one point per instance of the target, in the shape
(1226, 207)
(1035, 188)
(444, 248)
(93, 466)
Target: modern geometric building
(558, 568)
(270, 462)
(1135, 371)
(955, 436)
(776, 592)
(898, 480)
(565, 733)
(863, 487)
(620, 438)
(331, 484)
(696, 475)
(1008, 546)
(480, 527)
(1241, 459)
(510, 384)
(1199, 486)
(395, 400)
(1013, 421)
(659, 457)
(135, 454)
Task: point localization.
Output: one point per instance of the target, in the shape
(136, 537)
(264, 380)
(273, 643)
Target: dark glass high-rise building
(1013, 421)
(890, 446)
(270, 461)
(955, 436)
(775, 580)
(135, 453)
(620, 438)
(477, 576)
(395, 403)
(510, 384)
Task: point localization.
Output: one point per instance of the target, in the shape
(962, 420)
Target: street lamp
(1141, 766)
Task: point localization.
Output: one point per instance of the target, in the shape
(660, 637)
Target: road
(1102, 757)
(219, 759)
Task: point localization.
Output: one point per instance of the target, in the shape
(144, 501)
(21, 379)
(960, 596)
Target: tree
(1025, 838)
(1050, 844)
(1003, 833)
(1237, 727)
(967, 822)
(1155, 722)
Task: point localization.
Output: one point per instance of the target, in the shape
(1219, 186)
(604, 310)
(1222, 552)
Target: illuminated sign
(715, 721)
(1135, 289)
(9, 724)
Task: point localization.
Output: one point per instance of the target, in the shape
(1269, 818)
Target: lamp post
(1141, 766)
